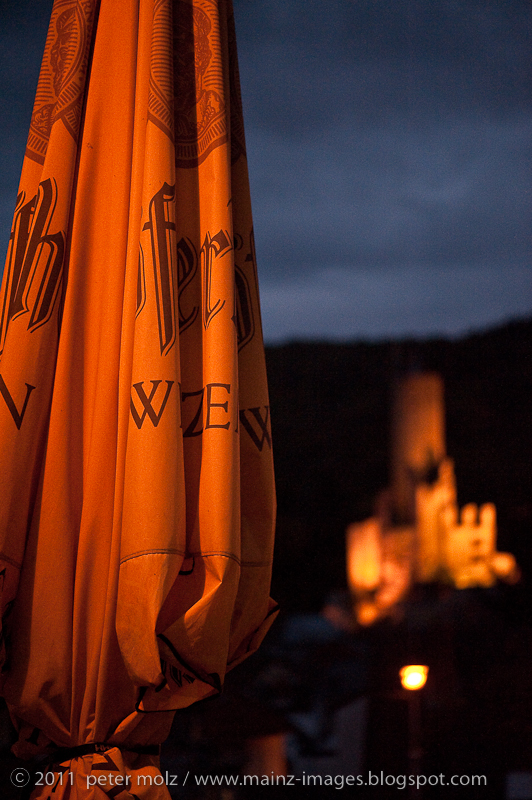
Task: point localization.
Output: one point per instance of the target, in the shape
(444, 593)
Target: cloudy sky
(389, 144)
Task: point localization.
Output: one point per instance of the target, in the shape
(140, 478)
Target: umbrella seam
(199, 553)
(162, 551)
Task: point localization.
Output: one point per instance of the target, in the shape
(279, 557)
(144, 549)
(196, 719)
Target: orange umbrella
(136, 491)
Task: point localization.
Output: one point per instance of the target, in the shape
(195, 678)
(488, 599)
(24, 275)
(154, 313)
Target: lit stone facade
(419, 535)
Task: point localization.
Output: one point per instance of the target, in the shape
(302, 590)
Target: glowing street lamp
(414, 676)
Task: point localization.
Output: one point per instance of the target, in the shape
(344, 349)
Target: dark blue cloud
(389, 139)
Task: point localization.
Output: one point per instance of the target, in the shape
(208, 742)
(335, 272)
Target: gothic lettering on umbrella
(187, 266)
(63, 773)
(174, 267)
(112, 777)
(107, 764)
(186, 671)
(147, 403)
(255, 421)
(141, 283)
(217, 408)
(246, 287)
(34, 262)
(18, 416)
(258, 430)
(214, 247)
(245, 325)
(177, 675)
(161, 225)
(193, 412)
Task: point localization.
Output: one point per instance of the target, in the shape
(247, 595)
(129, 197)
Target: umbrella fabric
(136, 494)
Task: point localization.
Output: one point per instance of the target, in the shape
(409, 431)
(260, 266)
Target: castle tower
(418, 439)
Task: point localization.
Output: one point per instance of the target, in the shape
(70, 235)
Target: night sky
(389, 148)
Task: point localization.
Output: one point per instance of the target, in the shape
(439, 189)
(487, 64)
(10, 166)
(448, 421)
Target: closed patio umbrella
(136, 490)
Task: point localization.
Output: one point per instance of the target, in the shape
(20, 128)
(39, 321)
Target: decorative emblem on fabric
(190, 105)
(60, 89)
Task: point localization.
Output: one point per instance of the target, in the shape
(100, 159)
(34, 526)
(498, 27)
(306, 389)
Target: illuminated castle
(417, 534)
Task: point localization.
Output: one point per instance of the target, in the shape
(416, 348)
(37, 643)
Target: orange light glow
(364, 556)
(414, 676)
